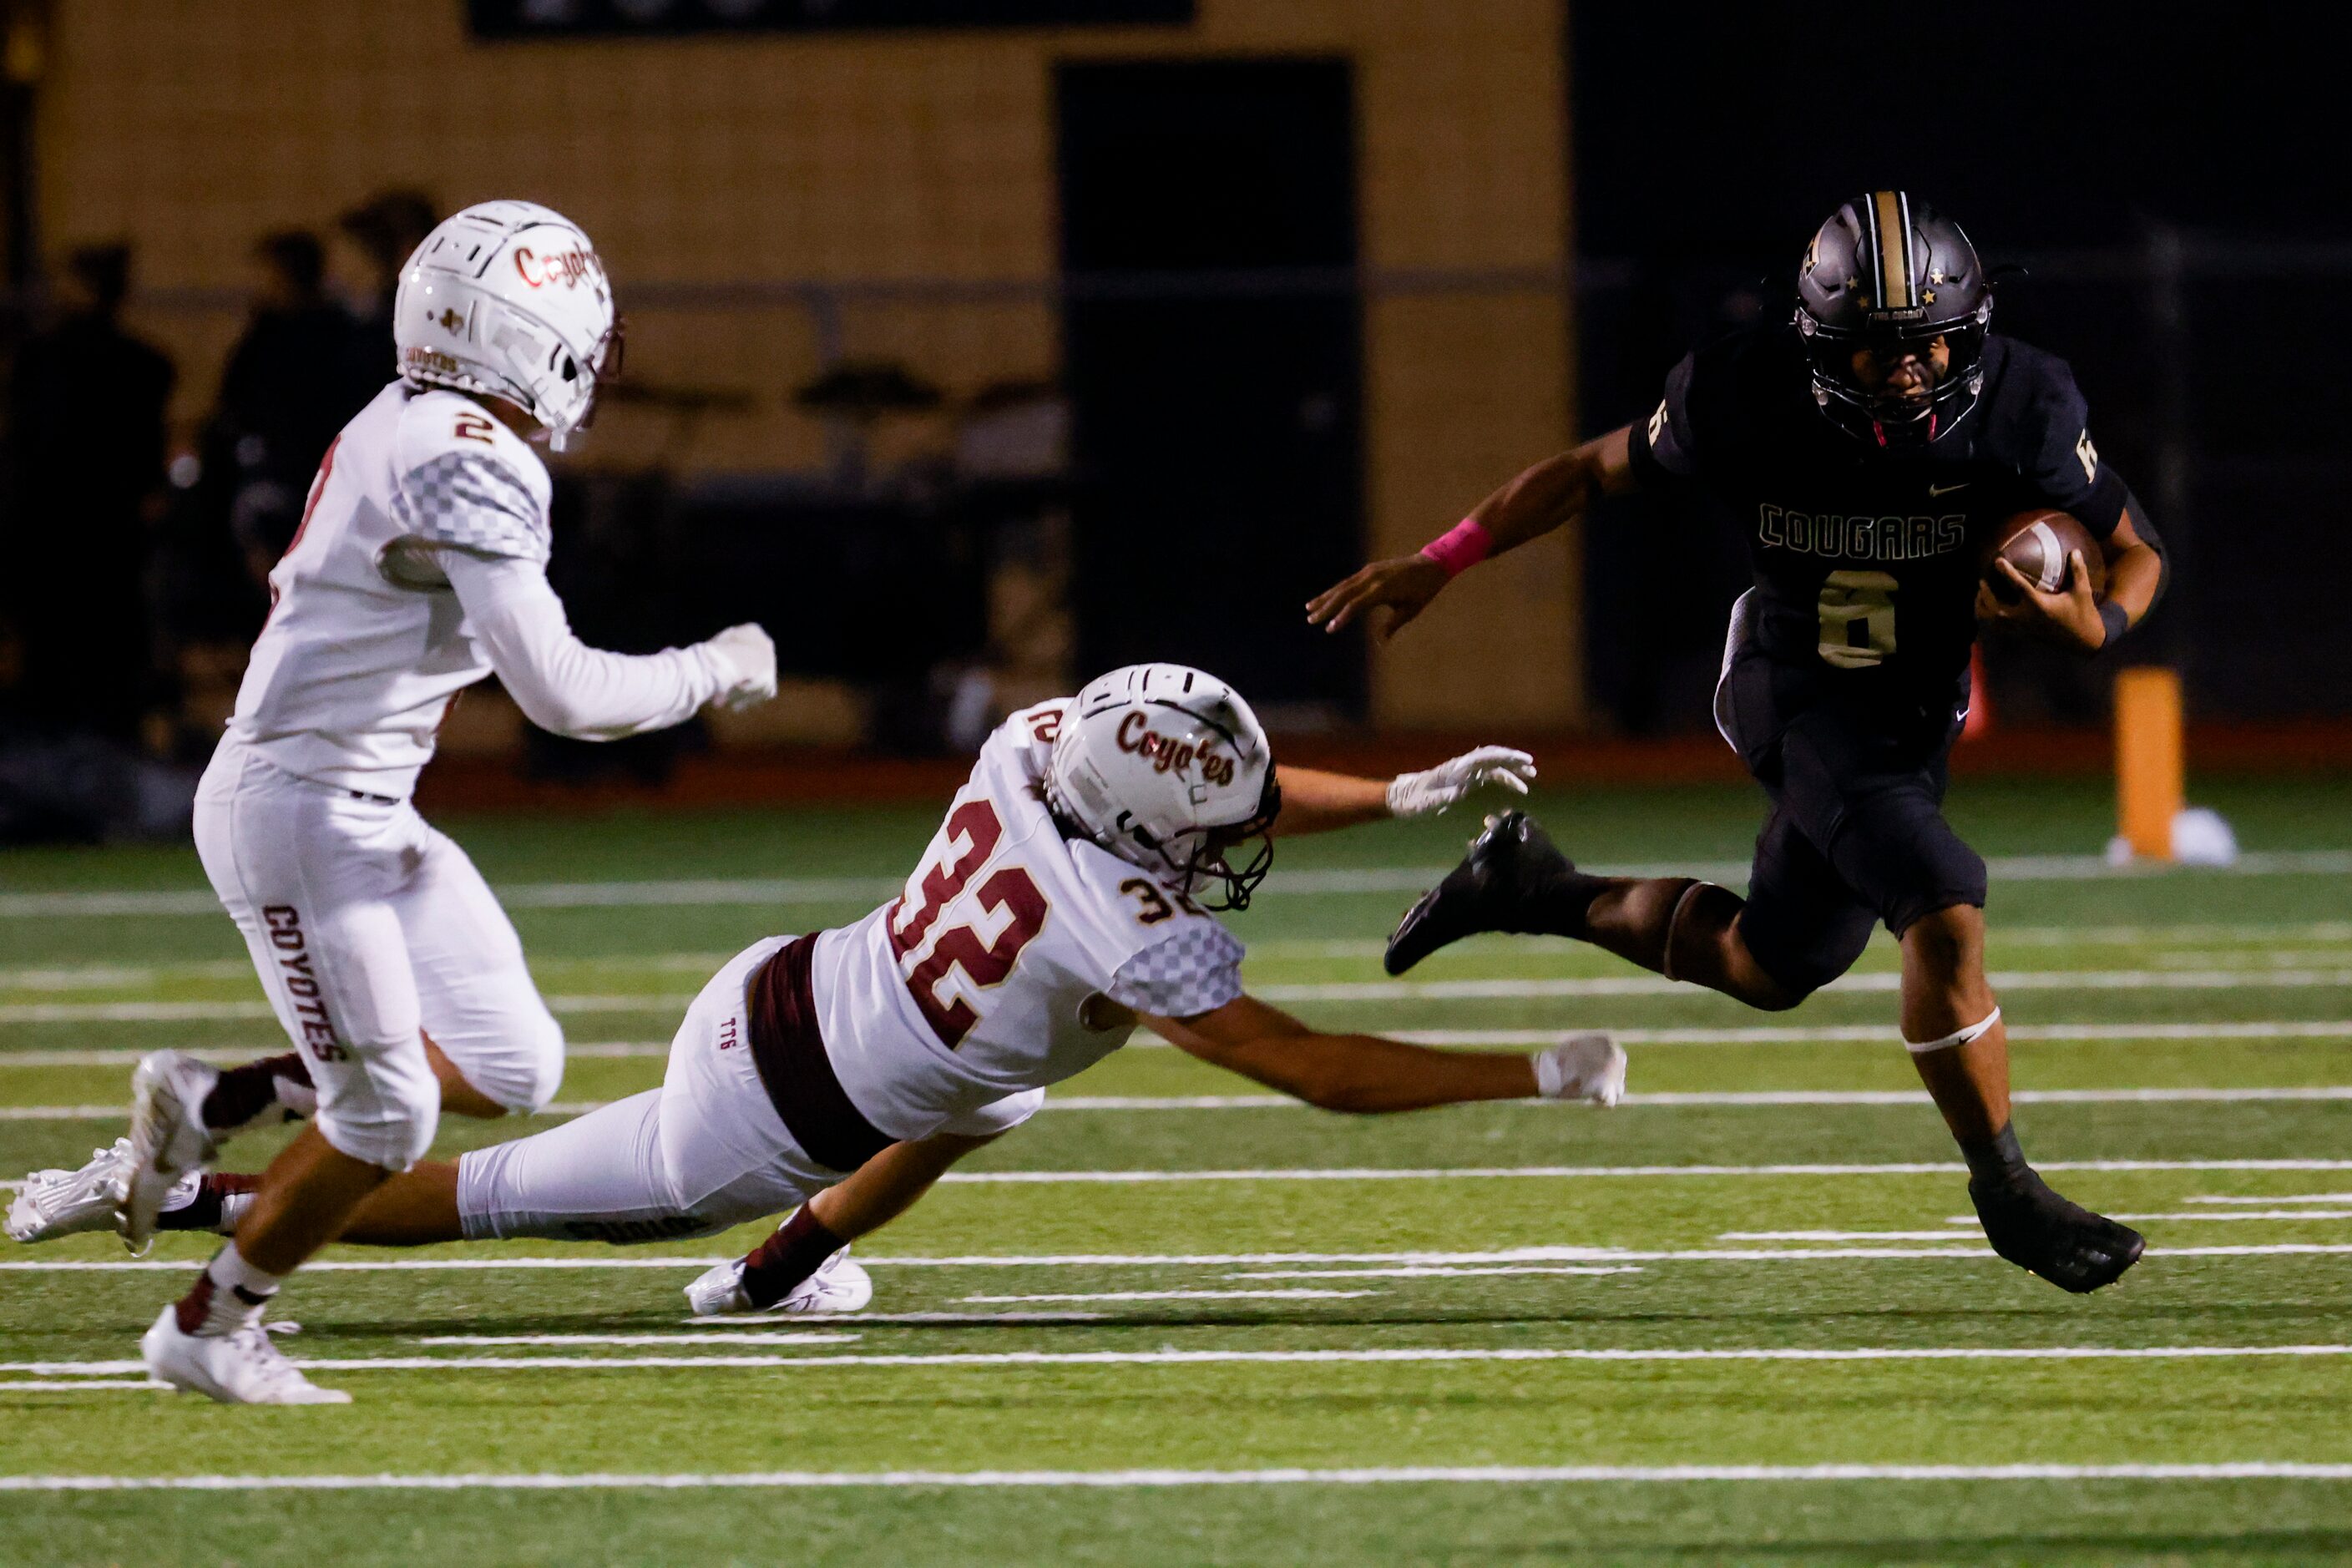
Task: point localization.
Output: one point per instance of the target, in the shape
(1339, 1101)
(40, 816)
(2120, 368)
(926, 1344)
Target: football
(2040, 545)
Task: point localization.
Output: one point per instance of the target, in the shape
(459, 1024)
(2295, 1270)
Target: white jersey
(366, 645)
(980, 982)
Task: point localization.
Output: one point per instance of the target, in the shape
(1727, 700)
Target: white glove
(745, 661)
(1421, 794)
(720, 1292)
(1582, 1067)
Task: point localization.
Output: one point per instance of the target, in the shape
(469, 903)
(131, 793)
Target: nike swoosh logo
(1934, 490)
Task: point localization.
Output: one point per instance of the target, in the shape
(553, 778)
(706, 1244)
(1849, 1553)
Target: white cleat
(1582, 1067)
(242, 1368)
(839, 1285)
(52, 1203)
(168, 1136)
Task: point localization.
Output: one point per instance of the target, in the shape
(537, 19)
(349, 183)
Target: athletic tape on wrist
(1968, 1036)
(1461, 547)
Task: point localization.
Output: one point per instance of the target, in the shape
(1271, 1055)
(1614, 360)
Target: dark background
(2173, 181)
(591, 18)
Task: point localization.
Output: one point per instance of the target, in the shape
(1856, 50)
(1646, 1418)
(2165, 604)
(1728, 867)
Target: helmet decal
(1167, 768)
(1892, 308)
(510, 299)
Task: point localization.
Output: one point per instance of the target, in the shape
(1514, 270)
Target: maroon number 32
(973, 830)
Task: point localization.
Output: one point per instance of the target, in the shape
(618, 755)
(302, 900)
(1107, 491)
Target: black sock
(204, 1212)
(778, 1265)
(1995, 1161)
(243, 1093)
(1561, 905)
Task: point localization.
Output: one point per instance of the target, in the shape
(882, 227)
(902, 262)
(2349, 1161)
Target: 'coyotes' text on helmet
(508, 299)
(1166, 767)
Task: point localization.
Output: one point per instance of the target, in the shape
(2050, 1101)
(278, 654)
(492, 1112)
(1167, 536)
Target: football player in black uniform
(1870, 448)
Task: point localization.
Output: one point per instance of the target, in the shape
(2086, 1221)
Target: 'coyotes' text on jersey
(975, 984)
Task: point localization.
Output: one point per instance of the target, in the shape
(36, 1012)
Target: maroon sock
(210, 1305)
(778, 1265)
(204, 1212)
(243, 1092)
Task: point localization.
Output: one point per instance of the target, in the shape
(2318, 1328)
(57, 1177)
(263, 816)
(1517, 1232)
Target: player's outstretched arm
(1369, 1074)
(563, 685)
(1537, 500)
(1315, 802)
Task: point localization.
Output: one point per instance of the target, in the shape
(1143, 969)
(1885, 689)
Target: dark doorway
(1214, 339)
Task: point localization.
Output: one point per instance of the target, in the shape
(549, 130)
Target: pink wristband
(1461, 547)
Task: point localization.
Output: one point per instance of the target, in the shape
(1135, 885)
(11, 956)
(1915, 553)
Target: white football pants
(704, 1151)
(370, 929)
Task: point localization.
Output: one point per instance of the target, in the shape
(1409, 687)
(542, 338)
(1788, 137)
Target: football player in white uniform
(419, 568)
(1068, 897)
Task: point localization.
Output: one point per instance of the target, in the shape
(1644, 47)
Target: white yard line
(214, 1012)
(2273, 1214)
(1425, 1475)
(735, 1337)
(1761, 1035)
(1701, 1099)
(1476, 1173)
(128, 1055)
(1435, 1271)
(1172, 1357)
(2295, 1198)
(1872, 983)
(2234, 944)
(1599, 1254)
(1882, 1035)
(726, 891)
(922, 1320)
(1844, 1235)
(76, 1385)
(1300, 1295)
(2252, 936)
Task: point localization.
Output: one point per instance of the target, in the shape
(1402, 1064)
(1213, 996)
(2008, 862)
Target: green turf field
(1741, 1318)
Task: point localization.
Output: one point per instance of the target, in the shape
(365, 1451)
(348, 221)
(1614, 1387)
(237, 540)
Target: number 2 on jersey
(1857, 610)
(973, 830)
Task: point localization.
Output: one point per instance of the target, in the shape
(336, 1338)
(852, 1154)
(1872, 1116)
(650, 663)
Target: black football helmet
(1893, 304)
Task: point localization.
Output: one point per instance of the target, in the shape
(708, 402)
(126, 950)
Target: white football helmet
(509, 298)
(1167, 768)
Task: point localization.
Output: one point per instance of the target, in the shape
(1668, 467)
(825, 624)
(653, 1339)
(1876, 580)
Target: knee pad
(388, 1119)
(522, 1070)
(542, 1069)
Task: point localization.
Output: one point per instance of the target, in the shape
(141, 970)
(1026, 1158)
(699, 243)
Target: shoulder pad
(460, 477)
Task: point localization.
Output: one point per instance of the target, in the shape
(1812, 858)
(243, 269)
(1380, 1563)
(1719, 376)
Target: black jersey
(1867, 560)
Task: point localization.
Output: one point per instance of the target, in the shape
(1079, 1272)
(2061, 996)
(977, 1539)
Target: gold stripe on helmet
(1890, 215)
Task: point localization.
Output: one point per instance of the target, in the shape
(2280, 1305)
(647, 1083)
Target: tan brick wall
(193, 125)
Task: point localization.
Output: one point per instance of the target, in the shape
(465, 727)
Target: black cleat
(2043, 1233)
(1500, 886)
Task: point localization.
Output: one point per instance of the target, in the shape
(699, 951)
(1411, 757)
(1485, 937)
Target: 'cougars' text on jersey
(1867, 560)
